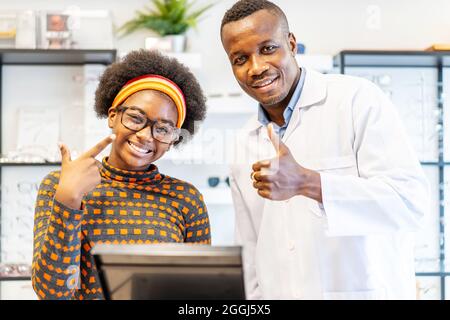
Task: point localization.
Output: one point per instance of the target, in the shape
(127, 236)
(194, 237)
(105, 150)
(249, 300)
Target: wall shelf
(319, 62)
(434, 163)
(190, 59)
(222, 105)
(217, 196)
(15, 278)
(56, 57)
(40, 57)
(408, 59)
(29, 164)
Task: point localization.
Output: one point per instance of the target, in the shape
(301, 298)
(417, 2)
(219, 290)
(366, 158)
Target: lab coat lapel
(314, 91)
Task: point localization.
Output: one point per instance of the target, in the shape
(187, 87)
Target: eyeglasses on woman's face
(134, 119)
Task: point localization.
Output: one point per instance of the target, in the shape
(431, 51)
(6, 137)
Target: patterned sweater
(125, 208)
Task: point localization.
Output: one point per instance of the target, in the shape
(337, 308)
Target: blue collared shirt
(263, 117)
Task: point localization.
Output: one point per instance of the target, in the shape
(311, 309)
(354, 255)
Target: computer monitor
(169, 271)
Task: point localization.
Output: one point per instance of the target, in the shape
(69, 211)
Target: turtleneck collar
(151, 176)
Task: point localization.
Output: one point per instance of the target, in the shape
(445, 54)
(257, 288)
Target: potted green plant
(170, 19)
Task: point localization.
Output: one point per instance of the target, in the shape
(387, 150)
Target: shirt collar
(314, 91)
(263, 118)
(151, 176)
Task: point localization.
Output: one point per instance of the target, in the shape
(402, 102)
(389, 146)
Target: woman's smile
(136, 150)
(139, 149)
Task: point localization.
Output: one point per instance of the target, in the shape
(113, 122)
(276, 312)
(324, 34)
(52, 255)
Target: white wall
(325, 26)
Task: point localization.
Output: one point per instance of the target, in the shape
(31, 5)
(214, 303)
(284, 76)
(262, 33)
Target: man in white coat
(330, 210)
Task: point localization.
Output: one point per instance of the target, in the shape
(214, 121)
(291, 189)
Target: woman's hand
(80, 176)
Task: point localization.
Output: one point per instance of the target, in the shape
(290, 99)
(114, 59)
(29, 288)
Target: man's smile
(264, 85)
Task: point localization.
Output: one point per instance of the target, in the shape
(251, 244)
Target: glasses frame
(149, 122)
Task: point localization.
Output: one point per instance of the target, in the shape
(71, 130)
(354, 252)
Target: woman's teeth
(134, 147)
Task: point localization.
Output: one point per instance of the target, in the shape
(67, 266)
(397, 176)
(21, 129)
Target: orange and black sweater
(125, 208)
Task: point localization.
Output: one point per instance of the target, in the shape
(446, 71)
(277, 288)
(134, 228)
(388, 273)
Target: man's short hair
(244, 8)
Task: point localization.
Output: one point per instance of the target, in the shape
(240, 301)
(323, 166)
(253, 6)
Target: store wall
(325, 26)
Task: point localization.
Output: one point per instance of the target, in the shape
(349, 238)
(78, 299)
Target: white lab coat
(359, 243)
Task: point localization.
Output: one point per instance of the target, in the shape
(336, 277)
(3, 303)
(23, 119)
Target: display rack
(27, 164)
(15, 278)
(45, 58)
(413, 59)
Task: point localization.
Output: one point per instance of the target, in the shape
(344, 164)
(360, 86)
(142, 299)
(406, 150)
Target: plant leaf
(199, 12)
(166, 17)
(162, 6)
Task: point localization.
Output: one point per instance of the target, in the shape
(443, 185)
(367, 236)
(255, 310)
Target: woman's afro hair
(141, 62)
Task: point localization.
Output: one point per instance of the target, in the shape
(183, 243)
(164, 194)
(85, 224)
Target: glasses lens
(164, 132)
(133, 119)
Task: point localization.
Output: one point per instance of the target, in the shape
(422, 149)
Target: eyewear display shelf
(72, 57)
(438, 60)
(15, 278)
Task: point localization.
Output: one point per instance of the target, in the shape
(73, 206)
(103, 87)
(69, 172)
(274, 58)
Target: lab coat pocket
(378, 294)
(343, 165)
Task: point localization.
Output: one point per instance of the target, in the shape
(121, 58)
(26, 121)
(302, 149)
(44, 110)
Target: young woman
(148, 99)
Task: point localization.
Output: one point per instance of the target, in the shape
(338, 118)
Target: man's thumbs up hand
(282, 178)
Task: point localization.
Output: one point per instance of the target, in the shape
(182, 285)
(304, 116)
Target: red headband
(154, 82)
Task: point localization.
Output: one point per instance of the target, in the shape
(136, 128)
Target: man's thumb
(279, 146)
